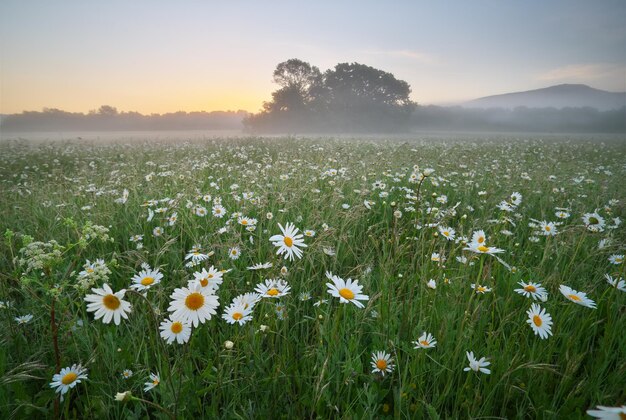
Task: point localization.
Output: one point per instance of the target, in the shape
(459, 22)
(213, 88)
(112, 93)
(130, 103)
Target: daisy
(618, 283)
(246, 221)
(247, 300)
(157, 231)
(289, 242)
(608, 413)
(616, 259)
(195, 257)
(67, 378)
(108, 305)
(237, 314)
(200, 211)
(154, 381)
(24, 319)
(346, 290)
(382, 362)
(547, 228)
(479, 237)
(594, 222)
(477, 365)
(260, 266)
(234, 253)
(482, 249)
(127, 373)
(447, 233)
(218, 211)
(432, 284)
(194, 304)
(175, 329)
(309, 233)
(577, 297)
(273, 288)
(211, 279)
(533, 290)
(540, 321)
(426, 341)
(480, 289)
(146, 279)
(516, 199)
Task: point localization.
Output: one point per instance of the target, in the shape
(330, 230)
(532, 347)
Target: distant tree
(297, 80)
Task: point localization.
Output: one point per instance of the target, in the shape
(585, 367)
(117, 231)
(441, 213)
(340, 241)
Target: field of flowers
(313, 278)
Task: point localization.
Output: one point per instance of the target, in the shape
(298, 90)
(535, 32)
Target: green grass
(315, 362)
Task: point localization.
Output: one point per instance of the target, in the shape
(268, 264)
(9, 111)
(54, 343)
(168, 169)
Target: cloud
(410, 54)
(583, 73)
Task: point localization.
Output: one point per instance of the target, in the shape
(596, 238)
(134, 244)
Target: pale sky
(165, 56)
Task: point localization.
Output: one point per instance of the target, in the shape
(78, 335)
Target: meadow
(509, 249)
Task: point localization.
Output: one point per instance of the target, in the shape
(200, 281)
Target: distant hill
(560, 96)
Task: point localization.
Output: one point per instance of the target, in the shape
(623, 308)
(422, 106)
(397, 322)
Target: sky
(165, 56)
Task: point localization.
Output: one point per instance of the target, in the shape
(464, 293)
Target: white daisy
(477, 365)
(247, 300)
(382, 363)
(447, 232)
(234, 253)
(208, 279)
(175, 329)
(145, 279)
(540, 321)
(194, 304)
(608, 413)
(618, 283)
(260, 266)
(289, 242)
(616, 259)
(346, 290)
(237, 314)
(426, 341)
(577, 297)
(480, 289)
(108, 305)
(273, 288)
(68, 378)
(154, 381)
(594, 222)
(533, 290)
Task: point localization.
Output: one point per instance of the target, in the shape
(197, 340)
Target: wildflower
(477, 365)
(426, 341)
(260, 266)
(175, 329)
(346, 290)
(310, 233)
(211, 279)
(289, 242)
(218, 211)
(153, 382)
(157, 231)
(594, 222)
(123, 396)
(432, 284)
(93, 272)
(24, 319)
(616, 259)
(533, 290)
(577, 297)
(540, 321)
(618, 283)
(228, 345)
(146, 279)
(68, 378)
(480, 289)
(195, 257)
(547, 228)
(247, 300)
(482, 249)
(108, 305)
(237, 314)
(608, 413)
(436, 257)
(273, 288)
(447, 233)
(234, 253)
(382, 363)
(127, 373)
(194, 304)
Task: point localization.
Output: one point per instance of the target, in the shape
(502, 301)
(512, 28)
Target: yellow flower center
(574, 297)
(483, 248)
(530, 288)
(537, 320)
(288, 241)
(593, 221)
(273, 292)
(244, 222)
(548, 228)
(481, 289)
(176, 327)
(446, 233)
(111, 302)
(194, 301)
(481, 240)
(381, 364)
(210, 276)
(155, 382)
(424, 343)
(147, 281)
(90, 270)
(346, 293)
(68, 378)
(204, 282)
(237, 316)
(234, 252)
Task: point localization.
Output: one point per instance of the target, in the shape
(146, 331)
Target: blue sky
(159, 56)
